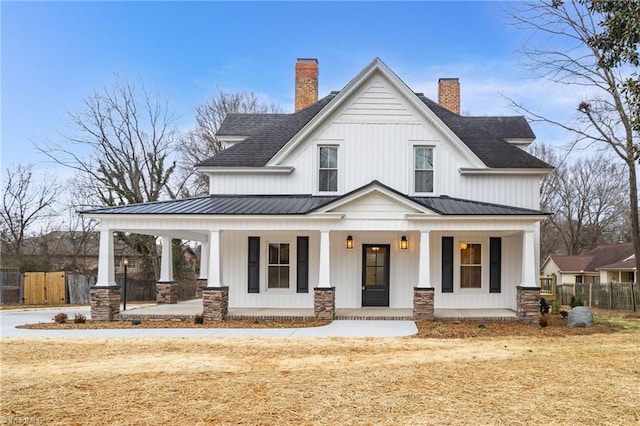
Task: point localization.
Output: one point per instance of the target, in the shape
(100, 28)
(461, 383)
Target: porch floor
(188, 309)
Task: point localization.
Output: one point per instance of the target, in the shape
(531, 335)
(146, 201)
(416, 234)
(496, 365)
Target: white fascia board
(376, 189)
(111, 220)
(350, 88)
(246, 170)
(524, 218)
(520, 141)
(505, 171)
(231, 139)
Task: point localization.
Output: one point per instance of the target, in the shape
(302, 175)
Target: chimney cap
(449, 79)
(308, 60)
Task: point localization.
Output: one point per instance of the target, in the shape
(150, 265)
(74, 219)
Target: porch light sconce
(349, 242)
(463, 246)
(404, 244)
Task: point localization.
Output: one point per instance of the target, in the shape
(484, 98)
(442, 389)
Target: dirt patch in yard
(588, 380)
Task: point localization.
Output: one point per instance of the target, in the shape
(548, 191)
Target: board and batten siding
(376, 130)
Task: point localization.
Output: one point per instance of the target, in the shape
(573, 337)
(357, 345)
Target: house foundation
(201, 283)
(423, 309)
(167, 292)
(528, 304)
(215, 303)
(324, 302)
(105, 302)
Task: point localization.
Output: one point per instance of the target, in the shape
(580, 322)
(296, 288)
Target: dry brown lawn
(576, 379)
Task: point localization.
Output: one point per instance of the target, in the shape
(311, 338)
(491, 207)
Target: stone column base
(105, 302)
(324, 302)
(528, 304)
(215, 303)
(423, 309)
(200, 284)
(167, 292)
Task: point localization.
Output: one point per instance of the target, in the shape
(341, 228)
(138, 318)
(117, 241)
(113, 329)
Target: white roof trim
(487, 171)
(375, 66)
(257, 170)
(380, 190)
(528, 217)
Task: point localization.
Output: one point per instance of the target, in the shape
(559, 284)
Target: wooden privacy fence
(613, 295)
(44, 288)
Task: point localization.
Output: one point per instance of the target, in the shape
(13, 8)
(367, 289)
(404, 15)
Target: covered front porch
(187, 310)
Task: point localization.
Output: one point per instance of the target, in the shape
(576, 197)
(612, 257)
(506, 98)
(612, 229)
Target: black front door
(375, 274)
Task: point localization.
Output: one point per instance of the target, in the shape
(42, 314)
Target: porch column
(423, 308)
(324, 296)
(215, 296)
(166, 287)
(529, 275)
(204, 268)
(105, 295)
(528, 293)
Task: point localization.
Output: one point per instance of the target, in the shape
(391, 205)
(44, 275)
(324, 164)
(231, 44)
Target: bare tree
(201, 143)
(123, 151)
(586, 199)
(25, 202)
(605, 117)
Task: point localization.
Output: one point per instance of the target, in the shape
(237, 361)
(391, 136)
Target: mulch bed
(244, 323)
(557, 327)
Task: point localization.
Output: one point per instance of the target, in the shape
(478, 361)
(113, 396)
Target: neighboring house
(371, 196)
(77, 251)
(606, 263)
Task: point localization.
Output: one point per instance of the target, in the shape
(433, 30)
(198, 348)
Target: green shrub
(79, 319)
(544, 306)
(555, 307)
(61, 318)
(575, 301)
(199, 319)
(543, 321)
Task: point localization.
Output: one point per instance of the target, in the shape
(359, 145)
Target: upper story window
(328, 169)
(470, 265)
(278, 268)
(423, 169)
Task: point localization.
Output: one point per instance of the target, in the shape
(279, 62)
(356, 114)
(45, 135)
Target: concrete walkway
(357, 328)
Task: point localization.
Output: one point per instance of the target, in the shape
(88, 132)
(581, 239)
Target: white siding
(376, 130)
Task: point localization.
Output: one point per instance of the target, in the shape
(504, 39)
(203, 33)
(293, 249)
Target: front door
(375, 274)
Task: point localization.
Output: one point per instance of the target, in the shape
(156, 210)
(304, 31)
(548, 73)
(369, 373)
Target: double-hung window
(423, 168)
(328, 169)
(279, 268)
(470, 265)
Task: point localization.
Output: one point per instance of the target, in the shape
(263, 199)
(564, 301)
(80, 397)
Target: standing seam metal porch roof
(296, 205)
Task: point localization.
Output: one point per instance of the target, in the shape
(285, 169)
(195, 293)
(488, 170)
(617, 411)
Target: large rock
(580, 316)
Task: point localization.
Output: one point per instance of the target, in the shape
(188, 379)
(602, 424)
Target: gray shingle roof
(268, 133)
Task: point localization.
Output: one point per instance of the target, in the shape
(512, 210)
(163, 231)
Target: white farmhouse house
(371, 196)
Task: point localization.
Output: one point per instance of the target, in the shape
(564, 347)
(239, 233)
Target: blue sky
(55, 53)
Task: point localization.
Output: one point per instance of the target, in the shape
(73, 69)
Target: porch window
(278, 274)
(328, 169)
(423, 169)
(470, 265)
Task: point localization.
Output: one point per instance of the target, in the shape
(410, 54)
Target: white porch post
(106, 273)
(214, 271)
(204, 260)
(166, 263)
(529, 276)
(424, 264)
(324, 275)
(215, 296)
(105, 295)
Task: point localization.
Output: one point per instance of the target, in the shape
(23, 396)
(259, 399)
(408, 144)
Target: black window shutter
(303, 265)
(254, 265)
(447, 264)
(495, 264)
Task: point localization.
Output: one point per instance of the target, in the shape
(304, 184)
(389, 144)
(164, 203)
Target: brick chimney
(306, 82)
(449, 94)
